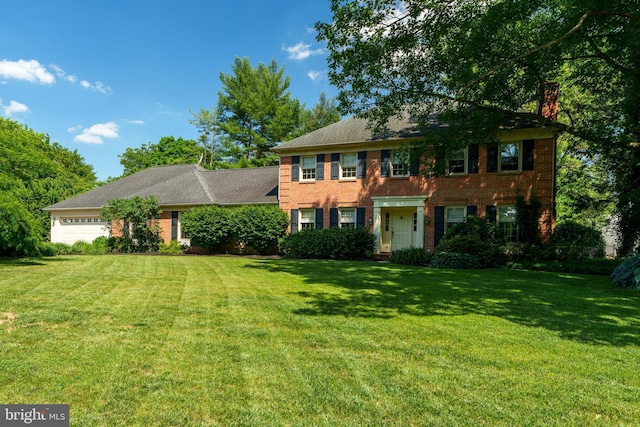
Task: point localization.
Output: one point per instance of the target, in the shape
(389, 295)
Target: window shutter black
(441, 161)
(362, 164)
(528, 151)
(174, 225)
(333, 217)
(360, 217)
(473, 154)
(492, 213)
(492, 157)
(385, 163)
(438, 224)
(335, 166)
(295, 168)
(472, 210)
(319, 167)
(414, 169)
(319, 218)
(294, 221)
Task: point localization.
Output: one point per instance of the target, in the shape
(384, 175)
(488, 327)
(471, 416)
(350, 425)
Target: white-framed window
(454, 215)
(348, 165)
(400, 163)
(308, 168)
(507, 224)
(347, 217)
(457, 162)
(307, 219)
(510, 157)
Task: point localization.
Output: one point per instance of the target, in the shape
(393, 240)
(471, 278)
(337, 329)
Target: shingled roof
(352, 131)
(187, 185)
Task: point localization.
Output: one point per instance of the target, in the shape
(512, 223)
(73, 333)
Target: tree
(256, 112)
(35, 173)
(322, 114)
(168, 151)
(206, 121)
(479, 65)
(134, 222)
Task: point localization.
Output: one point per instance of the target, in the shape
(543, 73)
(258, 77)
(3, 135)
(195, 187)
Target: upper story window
(507, 223)
(457, 162)
(454, 215)
(348, 165)
(307, 219)
(308, 168)
(400, 163)
(510, 157)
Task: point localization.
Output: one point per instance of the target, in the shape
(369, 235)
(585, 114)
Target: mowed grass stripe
(237, 341)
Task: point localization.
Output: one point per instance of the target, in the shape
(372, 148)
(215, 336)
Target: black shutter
(294, 221)
(362, 164)
(441, 161)
(333, 217)
(528, 152)
(414, 169)
(385, 163)
(319, 218)
(360, 212)
(335, 166)
(320, 167)
(492, 157)
(472, 210)
(492, 213)
(438, 224)
(473, 154)
(174, 225)
(295, 168)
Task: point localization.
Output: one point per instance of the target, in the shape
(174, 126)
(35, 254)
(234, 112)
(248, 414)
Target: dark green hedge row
(329, 243)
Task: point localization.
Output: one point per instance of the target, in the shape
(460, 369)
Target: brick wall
(478, 189)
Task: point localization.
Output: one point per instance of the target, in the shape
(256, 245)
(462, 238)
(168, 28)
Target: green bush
(173, 248)
(410, 256)
(454, 260)
(259, 227)
(477, 237)
(627, 274)
(596, 266)
(574, 241)
(208, 226)
(328, 243)
(19, 230)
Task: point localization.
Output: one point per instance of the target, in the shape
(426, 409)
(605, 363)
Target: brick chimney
(549, 107)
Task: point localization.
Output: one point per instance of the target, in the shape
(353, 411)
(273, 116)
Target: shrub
(454, 260)
(574, 241)
(627, 274)
(410, 256)
(139, 217)
(259, 227)
(328, 243)
(173, 248)
(477, 237)
(208, 226)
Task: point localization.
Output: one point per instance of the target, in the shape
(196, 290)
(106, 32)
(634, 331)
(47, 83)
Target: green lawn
(188, 340)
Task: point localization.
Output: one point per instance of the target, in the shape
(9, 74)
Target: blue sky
(103, 76)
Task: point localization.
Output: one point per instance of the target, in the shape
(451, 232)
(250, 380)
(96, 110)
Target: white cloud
(60, 73)
(134, 122)
(12, 108)
(74, 128)
(95, 133)
(302, 51)
(31, 71)
(316, 76)
(98, 86)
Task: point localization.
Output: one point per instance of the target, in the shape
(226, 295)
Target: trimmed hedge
(452, 260)
(328, 243)
(410, 256)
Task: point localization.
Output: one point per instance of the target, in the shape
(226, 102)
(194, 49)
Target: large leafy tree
(322, 114)
(34, 173)
(256, 112)
(168, 151)
(479, 64)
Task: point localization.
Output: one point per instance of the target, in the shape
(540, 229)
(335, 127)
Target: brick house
(344, 175)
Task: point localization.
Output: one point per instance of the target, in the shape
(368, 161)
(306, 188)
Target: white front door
(401, 229)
